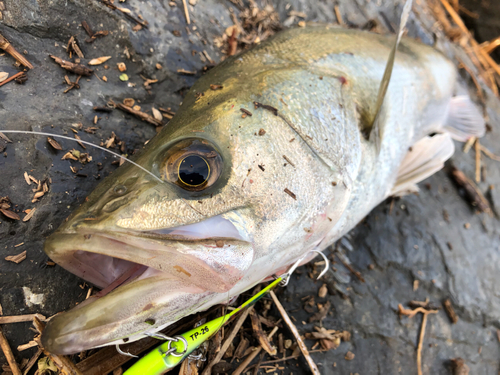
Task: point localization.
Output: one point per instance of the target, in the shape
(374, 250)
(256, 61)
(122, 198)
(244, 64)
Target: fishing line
(100, 148)
(84, 142)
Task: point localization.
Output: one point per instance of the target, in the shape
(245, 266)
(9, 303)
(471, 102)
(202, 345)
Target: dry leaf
(158, 66)
(80, 143)
(17, 258)
(54, 143)
(10, 214)
(29, 215)
(322, 291)
(122, 67)
(27, 178)
(129, 102)
(5, 138)
(68, 155)
(157, 114)
(38, 195)
(124, 10)
(3, 76)
(99, 60)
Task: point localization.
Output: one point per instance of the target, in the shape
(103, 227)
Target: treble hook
(124, 353)
(286, 276)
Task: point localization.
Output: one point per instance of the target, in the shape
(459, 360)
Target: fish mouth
(148, 279)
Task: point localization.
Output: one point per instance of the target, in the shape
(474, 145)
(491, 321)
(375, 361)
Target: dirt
(434, 237)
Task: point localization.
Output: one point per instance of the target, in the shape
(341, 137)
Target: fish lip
(62, 245)
(76, 330)
(62, 337)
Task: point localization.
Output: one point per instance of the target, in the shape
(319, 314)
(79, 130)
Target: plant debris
(73, 47)
(7, 351)
(20, 77)
(93, 35)
(450, 311)
(5, 204)
(78, 69)
(410, 314)
(265, 106)
(54, 144)
(473, 193)
(7, 47)
(141, 115)
(99, 60)
(253, 26)
(16, 258)
(459, 367)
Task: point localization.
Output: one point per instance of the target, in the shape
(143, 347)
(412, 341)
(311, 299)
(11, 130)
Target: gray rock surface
(406, 243)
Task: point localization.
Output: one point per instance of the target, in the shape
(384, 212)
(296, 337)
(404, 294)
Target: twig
(474, 79)
(480, 54)
(302, 346)
(247, 361)
(412, 313)
(473, 193)
(31, 344)
(339, 16)
(79, 69)
(129, 16)
(186, 11)
(469, 144)
(7, 47)
(11, 78)
(20, 318)
(477, 147)
(228, 341)
(489, 154)
(7, 351)
(62, 362)
(242, 367)
(32, 361)
(257, 366)
(261, 336)
(420, 343)
(353, 271)
(142, 115)
(450, 311)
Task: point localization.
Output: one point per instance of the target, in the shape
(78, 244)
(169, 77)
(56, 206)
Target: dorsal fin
(375, 135)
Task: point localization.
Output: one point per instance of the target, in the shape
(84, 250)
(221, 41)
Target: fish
(296, 146)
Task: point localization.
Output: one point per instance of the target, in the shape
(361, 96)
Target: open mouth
(109, 260)
(156, 276)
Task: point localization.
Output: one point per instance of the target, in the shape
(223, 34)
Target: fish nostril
(120, 189)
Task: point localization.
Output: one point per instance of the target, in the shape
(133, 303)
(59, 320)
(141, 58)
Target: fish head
(218, 201)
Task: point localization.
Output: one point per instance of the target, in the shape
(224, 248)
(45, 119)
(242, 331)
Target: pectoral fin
(464, 120)
(425, 158)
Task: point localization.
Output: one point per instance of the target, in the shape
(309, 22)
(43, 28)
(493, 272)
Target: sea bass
(286, 156)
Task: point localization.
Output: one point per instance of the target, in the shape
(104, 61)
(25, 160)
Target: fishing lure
(175, 349)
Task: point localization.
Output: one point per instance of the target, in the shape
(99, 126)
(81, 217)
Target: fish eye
(192, 164)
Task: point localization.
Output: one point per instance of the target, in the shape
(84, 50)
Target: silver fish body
(294, 176)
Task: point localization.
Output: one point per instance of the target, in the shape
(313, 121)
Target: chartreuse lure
(175, 349)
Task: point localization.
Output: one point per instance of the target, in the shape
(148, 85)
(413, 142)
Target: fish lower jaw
(147, 284)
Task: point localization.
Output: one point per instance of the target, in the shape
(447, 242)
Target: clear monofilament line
(84, 142)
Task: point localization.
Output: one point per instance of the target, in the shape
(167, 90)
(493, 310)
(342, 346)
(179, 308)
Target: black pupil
(194, 170)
